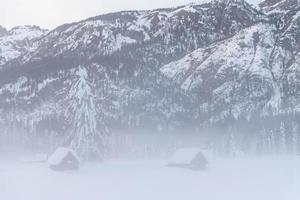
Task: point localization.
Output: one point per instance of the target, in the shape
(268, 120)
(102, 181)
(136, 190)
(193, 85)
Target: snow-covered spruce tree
(282, 139)
(272, 141)
(230, 143)
(266, 144)
(85, 139)
(263, 139)
(295, 138)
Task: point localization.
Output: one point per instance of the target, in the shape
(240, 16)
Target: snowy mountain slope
(278, 5)
(223, 71)
(159, 70)
(17, 41)
(177, 31)
(3, 31)
(245, 75)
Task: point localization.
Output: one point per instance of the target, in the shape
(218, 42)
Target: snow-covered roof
(60, 154)
(184, 155)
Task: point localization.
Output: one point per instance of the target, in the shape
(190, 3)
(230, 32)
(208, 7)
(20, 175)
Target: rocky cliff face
(185, 67)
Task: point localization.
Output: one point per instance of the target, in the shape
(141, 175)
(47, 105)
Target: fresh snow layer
(34, 159)
(226, 179)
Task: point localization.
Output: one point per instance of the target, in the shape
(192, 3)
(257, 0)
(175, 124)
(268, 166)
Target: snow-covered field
(263, 178)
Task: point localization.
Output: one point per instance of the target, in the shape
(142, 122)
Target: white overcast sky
(51, 13)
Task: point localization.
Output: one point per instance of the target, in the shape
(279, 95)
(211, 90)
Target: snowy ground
(263, 178)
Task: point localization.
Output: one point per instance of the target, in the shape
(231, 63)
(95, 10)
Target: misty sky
(51, 13)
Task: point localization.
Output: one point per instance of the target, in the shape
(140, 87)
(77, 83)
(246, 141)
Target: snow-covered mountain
(162, 69)
(255, 72)
(279, 5)
(17, 41)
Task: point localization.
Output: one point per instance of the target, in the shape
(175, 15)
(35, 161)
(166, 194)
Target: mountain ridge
(189, 67)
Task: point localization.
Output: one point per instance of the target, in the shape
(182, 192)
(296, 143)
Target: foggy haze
(162, 100)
